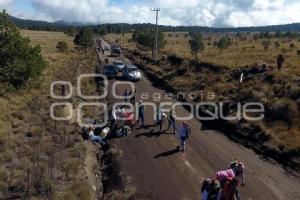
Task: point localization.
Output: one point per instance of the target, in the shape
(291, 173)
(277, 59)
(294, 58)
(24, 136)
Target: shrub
(62, 46)
(283, 109)
(298, 52)
(174, 59)
(292, 45)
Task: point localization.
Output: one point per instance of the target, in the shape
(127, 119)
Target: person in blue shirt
(183, 135)
(95, 138)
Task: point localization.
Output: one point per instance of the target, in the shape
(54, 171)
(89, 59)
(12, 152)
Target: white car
(132, 73)
(119, 65)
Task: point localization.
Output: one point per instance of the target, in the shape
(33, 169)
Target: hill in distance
(61, 25)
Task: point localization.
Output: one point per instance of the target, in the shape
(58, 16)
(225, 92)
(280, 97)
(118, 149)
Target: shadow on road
(151, 134)
(167, 153)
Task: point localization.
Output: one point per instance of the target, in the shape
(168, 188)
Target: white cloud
(217, 13)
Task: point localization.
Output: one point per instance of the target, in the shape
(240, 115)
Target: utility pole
(156, 36)
(240, 87)
(121, 43)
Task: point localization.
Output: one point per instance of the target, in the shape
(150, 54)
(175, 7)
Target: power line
(156, 36)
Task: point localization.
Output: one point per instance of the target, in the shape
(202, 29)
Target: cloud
(216, 13)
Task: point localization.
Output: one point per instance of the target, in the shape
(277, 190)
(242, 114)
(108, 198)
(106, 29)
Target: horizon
(203, 13)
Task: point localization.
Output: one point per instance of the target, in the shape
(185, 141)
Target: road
(158, 171)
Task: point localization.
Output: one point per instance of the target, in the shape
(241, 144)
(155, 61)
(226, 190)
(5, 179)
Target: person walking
(159, 117)
(184, 132)
(171, 121)
(141, 113)
(132, 99)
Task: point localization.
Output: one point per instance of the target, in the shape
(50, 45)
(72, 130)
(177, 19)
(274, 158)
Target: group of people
(226, 185)
(184, 130)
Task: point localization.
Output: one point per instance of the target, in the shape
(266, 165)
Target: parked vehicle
(119, 65)
(110, 71)
(116, 50)
(132, 73)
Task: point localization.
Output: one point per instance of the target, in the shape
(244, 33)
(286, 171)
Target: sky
(212, 13)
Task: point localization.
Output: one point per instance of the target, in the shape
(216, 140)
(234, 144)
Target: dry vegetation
(39, 158)
(279, 90)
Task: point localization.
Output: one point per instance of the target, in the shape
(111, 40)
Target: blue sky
(216, 13)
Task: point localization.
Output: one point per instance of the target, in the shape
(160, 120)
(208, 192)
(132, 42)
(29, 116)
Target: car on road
(107, 48)
(116, 50)
(132, 73)
(110, 71)
(119, 65)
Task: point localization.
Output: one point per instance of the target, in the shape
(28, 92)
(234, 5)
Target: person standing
(141, 112)
(183, 135)
(132, 99)
(171, 121)
(159, 117)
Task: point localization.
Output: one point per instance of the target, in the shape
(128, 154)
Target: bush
(62, 46)
(174, 59)
(292, 45)
(283, 109)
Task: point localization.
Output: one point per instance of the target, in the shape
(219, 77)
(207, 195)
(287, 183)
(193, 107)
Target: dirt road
(158, 171)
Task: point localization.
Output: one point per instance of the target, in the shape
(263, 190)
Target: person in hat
(215, 192)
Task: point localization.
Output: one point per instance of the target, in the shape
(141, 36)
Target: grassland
(280, 95)
(241, 53)
(41, 158)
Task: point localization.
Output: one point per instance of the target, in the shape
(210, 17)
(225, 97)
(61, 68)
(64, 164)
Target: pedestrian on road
(132, 99)
(126, 94)
(171, 121)
(106, 60)
(183, 135)
(141, 109)
(159, 117)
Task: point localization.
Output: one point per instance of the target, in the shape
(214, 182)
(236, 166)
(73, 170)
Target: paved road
(158, 171)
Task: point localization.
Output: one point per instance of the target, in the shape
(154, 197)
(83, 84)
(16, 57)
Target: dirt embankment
(250, 135)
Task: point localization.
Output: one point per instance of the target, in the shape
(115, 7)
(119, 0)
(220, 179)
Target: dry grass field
(280, 93)
(241, 53)
(30, 140)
